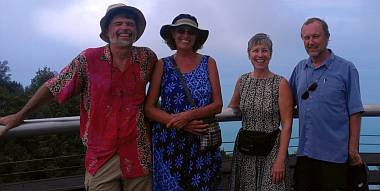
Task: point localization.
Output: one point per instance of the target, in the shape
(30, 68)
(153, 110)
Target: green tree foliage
(4, 69)
(61, 152)
(11, 92)
(10, 102)
(52, 109)
(42, 75)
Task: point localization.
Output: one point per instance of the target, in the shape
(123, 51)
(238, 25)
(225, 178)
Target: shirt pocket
(332, 91)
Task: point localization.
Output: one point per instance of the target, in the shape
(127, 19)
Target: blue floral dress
(178, 163)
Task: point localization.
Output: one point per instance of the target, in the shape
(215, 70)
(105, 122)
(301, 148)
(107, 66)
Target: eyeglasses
(183, 30)
(311, 88)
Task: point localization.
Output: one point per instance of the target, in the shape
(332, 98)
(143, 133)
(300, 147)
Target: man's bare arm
(41, 97)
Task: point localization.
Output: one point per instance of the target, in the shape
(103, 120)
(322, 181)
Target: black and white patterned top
(260, 112)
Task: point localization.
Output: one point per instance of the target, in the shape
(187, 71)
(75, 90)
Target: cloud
(322, 4)
(42, 28)
(76, 23)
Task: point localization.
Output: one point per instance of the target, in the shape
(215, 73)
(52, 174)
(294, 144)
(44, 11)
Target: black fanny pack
(256, 143)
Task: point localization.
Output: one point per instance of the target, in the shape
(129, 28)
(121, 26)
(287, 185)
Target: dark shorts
(316, 175)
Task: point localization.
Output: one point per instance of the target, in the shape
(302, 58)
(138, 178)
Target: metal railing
(36, 127)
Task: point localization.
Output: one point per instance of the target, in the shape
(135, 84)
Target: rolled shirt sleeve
(354, 102)
(70, 81)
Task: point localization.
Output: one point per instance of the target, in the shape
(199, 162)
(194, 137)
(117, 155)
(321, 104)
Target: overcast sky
(38, 33)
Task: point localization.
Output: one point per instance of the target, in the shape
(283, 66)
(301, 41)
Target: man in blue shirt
(327, 94)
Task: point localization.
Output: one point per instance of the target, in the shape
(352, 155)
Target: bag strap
(183, 83)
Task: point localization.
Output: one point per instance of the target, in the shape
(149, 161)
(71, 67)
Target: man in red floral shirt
(111, 81)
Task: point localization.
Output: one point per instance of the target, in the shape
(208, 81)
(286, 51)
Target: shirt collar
(106, 56)
(326, 63)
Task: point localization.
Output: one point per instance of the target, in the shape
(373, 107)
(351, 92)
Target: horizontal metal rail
(34, 127)
(42, 159)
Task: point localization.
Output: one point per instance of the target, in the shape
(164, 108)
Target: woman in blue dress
(178, 161)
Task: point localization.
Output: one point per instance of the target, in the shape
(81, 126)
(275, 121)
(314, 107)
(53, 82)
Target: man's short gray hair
(325, 27)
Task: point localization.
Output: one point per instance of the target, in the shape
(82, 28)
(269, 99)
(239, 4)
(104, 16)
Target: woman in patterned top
(265, 101)
(178, 161)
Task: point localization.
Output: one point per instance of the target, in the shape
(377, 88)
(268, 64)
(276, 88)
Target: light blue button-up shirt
(324, 116)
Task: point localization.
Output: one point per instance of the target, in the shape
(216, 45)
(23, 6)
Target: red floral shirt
(111, 114)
